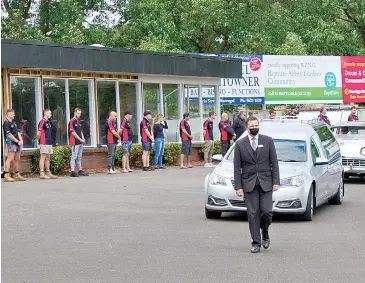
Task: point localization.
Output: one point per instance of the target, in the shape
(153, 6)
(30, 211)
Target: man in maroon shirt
(209, 140)
(14, 142)
(227, 134)
(186, 137)
(45, 139)
(126, 135)
(353, 116)
(77, 140)
(146, 139)
(112, 138)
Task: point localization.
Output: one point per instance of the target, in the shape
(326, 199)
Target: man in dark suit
(239, 125)
(256, 176)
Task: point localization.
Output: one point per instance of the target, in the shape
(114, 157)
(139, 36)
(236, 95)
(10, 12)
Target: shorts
(127, 146)
(186, 147)
(14, 148)
(147, 146)
(46, 149)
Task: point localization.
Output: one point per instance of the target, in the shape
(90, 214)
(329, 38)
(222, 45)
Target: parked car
(310, 166)
(351, 137)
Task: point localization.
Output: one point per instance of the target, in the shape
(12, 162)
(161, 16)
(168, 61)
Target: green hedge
(60, 159)
(171, 155)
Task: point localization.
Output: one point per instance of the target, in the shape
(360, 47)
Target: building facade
(38, 75)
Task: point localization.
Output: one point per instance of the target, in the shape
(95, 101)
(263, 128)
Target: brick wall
(93, 158)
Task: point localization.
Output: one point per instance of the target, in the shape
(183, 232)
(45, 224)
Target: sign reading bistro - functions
(303, 79)
(353, 79)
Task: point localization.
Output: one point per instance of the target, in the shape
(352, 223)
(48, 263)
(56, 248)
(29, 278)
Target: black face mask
(254, 131)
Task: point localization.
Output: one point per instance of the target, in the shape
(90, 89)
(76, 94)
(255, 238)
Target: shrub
(171, 155)
(216, 149)
(60, 159)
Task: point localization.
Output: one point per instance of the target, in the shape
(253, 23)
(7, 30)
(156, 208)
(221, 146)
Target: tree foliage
(295, 27)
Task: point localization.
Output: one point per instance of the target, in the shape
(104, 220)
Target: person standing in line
(126, 135)
(186, 137)
(256, 176)
(112, 139)
(147, 140)
(14, 142)
(158, 126)
(353, 116)
(45, 138)
(323, 117)
(209, 140)
(227, 134)
(239, 125)
(77, 141)
(293, 113)
(272, 114)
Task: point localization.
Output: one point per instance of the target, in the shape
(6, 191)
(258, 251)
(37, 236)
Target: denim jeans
(111, 155)
(160, 148)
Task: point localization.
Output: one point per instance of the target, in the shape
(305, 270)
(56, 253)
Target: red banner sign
(353, 79)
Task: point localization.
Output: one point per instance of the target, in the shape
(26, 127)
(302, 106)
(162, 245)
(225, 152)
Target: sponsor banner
(353, 79)
(302, 79)
(251, 83)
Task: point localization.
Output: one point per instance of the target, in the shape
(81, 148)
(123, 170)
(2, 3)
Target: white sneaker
(211, 165)
(207, 165)
(111, 171)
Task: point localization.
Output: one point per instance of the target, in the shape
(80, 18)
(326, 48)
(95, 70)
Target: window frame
(38, 100)
(317, 149)
(325, 145)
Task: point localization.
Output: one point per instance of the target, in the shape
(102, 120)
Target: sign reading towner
(353, 79)
(247, 89)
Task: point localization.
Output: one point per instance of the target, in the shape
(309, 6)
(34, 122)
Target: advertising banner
(302, 79)
(248, 89)
(353, 79)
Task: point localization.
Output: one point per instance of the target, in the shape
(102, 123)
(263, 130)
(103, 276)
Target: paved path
(150, 227)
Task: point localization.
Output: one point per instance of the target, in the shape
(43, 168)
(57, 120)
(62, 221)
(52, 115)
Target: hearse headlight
(217, 180)
(295, 181)
(362, 151)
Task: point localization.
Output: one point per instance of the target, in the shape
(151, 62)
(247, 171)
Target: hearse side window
(328, 142)
(314, 150)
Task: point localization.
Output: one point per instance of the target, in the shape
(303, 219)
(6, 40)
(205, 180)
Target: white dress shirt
(256, 139)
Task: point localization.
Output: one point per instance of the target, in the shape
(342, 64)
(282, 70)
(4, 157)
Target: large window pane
(171, 109)
(106, 103)
(23, 102)
(151, 98)
(191, 105)
(54, 99)
(127, 99)
(79, 97)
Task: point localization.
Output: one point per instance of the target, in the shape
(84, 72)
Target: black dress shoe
(82, 173)
(255, 249)
(266, 243)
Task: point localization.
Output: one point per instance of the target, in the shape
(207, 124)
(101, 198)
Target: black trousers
(225, 145)
(259, 213)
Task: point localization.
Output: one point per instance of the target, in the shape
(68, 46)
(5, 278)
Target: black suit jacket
(239, 127)
(250, 166)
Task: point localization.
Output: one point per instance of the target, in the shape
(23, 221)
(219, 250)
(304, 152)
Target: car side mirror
(321, 161)
(217, 157)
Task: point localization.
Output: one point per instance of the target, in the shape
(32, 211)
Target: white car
(310, 167)
(351, 137)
